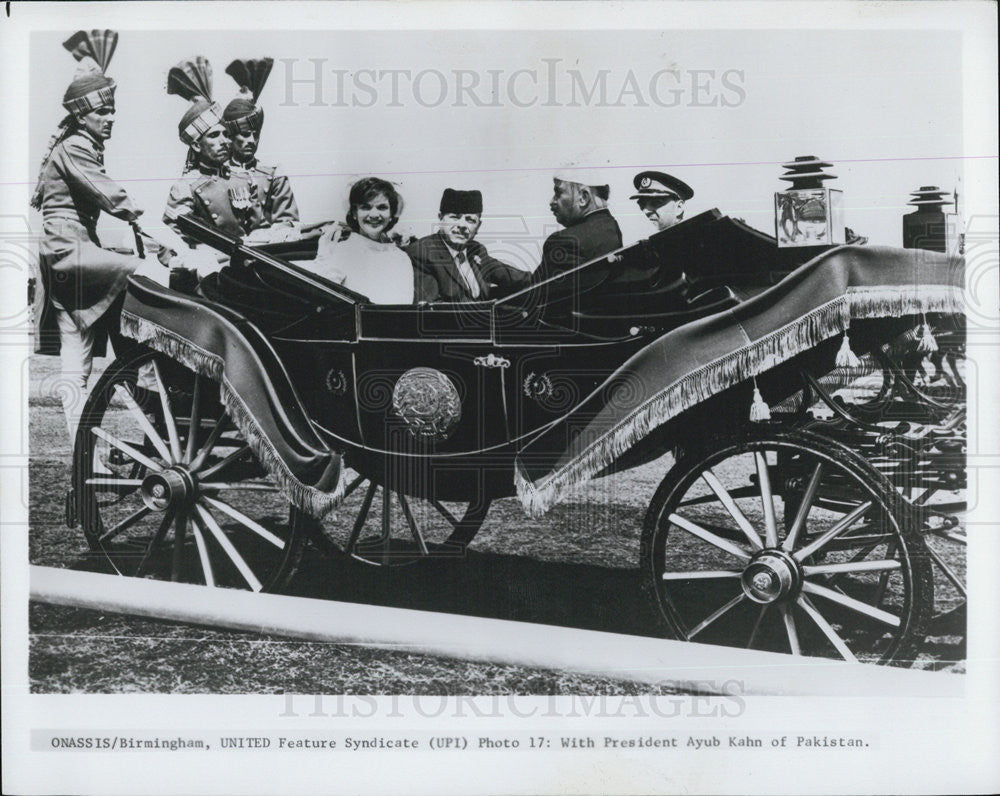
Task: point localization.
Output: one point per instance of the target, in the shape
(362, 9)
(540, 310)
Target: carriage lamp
(929, 226)
(808, 214)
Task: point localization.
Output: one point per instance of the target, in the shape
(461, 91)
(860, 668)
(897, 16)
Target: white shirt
(380, 271)
(461, 259)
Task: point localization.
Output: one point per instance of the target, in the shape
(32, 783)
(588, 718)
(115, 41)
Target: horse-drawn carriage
(251, 410)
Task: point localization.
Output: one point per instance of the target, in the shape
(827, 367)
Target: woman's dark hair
(365, 190)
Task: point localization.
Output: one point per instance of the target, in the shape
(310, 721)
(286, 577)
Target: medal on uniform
(239, 192)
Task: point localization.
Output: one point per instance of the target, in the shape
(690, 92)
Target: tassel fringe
(759, 410)
(846, 358)
(780, 345)
(927, 344)
(314, 502)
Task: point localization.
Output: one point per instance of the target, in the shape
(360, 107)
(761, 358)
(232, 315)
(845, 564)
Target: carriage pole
(686, 666)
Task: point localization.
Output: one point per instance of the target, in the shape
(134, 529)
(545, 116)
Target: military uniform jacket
(436, 276)
(83, 278)
(593, 236)
(238, 202)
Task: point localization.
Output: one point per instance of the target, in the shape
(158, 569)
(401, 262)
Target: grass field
(576, 566)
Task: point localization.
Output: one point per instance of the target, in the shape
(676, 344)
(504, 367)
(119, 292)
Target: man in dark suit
(590, 229)
(450, 265)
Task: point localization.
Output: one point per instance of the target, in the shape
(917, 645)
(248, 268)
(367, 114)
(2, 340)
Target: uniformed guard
(262, 197)
(203, 190)
(83, 282)
(661, 197)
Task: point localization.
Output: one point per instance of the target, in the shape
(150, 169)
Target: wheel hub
(168, 489)
(770, 576)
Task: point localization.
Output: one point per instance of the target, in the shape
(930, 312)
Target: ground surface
(576, 566)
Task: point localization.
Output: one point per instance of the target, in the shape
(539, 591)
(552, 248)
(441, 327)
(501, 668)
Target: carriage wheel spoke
(701, 574)
(227, 546)
(195, 421)
(168, 416)
(126, 448)
(827, 629)
(199, 540)
(112, 483)
(850, 566)
(708, 536)
(948, 572)
(130, 520)
(147, 427)
(445, 513)
(359, 522)
(180, 532)
(883, 579)
(417, 536)
(243, 519)
(766, 499)
(790, 629)
(222, 464)
(220, 427)
(756, 626)
(734, 511)
(838, 528)
(714, 615)
(800, 516)
(850, 602)
(158, 537)
(353, 485)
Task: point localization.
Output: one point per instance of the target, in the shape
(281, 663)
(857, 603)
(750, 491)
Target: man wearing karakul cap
(450, 265)
(262, 197)
(580, 203)
(661, 197)
(82, 281)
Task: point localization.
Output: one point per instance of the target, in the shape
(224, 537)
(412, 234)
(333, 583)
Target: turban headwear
(192, 80)
(90, 88)
(243, 114)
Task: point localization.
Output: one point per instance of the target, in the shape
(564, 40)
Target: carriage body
(662, 346)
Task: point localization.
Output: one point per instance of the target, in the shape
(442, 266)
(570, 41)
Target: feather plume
(191, 79)
(250, 74)
(96, 45)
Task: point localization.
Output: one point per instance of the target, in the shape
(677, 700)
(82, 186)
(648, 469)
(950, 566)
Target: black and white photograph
(446, 397)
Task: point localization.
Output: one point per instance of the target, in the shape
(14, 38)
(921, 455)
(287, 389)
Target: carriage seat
(702, 305)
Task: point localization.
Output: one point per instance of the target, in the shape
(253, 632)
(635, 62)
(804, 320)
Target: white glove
(331, 237)
(198, 260)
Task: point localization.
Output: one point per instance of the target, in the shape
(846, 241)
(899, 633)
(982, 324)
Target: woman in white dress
(366, 260)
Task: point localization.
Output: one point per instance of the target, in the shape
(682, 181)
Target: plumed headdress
(243, 114)
(90, 88)
(192, 80)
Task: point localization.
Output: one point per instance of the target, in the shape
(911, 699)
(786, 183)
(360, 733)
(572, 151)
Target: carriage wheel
(385, 527)
(168, 488)
(786, 542)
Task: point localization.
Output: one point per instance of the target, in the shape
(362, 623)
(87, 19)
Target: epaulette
(268, 171)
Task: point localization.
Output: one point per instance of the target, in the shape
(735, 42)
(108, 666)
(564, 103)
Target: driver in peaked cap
(661, 197)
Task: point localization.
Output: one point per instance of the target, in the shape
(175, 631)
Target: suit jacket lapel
(442, 256)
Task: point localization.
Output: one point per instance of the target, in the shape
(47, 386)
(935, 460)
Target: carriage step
(71, 516)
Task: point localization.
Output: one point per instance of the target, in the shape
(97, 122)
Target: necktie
(466, 271)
